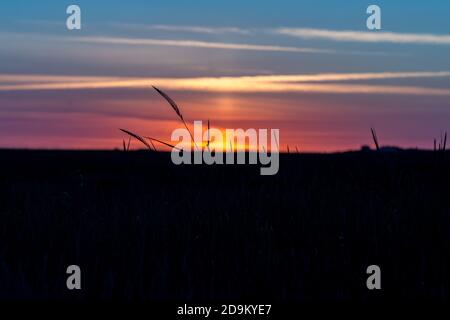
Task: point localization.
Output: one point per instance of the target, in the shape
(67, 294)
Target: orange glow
(311, 113)
(317, 83)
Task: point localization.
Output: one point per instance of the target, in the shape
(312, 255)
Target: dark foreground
(141, 228)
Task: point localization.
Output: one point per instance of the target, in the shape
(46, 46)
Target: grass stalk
(375, 139)
(177, 111)
(139, 138)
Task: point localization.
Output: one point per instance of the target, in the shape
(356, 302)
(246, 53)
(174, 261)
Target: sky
(311, 69)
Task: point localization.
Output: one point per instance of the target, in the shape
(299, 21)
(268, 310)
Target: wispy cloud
(217, 45)
(364, 36)
(333, 77)
(305, 33)
(191, 43)
(316, 83)
(187, 29)
(195, 44)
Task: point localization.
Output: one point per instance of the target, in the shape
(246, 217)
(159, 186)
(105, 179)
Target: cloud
(216, 45)
(194, 44)
(364, 36)
(105, 40)
(189, 29)
(315, 83)
(329, 77)
(306, 33)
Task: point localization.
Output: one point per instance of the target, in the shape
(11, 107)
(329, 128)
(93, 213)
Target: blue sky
(109, 18)
(399, 16)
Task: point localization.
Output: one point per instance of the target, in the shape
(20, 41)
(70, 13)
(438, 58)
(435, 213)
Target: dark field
(142, 228)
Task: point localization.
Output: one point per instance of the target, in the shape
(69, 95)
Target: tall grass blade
(139, 138)
(164, 143)
(207, 143)
(276, 141)
(445, 141)
(375, 139)
(177, 111)
(154, 148)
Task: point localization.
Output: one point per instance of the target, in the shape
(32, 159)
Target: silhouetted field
(142, 228)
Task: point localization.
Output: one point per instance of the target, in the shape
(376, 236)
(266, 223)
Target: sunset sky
(308, 68)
